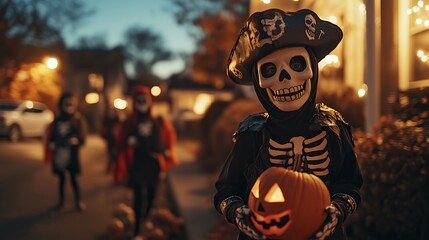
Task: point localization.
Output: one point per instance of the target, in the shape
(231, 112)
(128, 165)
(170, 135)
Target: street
(28, 190)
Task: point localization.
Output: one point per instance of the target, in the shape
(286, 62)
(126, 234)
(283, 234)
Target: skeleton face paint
(286, 75)
(143, 103)
(69, 105)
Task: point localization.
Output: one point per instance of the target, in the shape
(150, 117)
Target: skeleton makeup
(143, 103)
(69, 105)
(286, 75)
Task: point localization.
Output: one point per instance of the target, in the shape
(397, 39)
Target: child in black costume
(65, 136)
(278, 53)
(147, 152)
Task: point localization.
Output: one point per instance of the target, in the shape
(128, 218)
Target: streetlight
(92, 98)
(120, 104)
(52, 63)
(155, 91)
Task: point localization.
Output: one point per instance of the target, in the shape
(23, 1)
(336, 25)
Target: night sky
(113, 17)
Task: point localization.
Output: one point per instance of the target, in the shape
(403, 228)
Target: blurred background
(378, 78)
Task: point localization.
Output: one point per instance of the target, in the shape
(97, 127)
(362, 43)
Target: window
(418, 13)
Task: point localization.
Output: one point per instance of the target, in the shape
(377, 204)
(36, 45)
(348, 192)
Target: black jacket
(250, 157)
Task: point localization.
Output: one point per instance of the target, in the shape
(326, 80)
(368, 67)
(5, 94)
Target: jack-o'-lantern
(288, 204)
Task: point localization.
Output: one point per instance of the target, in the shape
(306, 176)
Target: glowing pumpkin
(287, 204)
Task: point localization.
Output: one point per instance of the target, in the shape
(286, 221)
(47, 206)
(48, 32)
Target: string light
(419, 17)
(362, 9)
(333, 19)
(422, 56)
(362, 90)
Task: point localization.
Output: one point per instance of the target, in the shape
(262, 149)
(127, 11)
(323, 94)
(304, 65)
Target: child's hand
(329, 225)
(74, 141)
(243, 222)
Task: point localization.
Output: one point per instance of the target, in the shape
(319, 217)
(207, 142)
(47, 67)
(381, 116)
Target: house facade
(384, 50)
(97, 77)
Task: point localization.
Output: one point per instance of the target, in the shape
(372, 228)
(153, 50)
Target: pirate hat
(264, 32)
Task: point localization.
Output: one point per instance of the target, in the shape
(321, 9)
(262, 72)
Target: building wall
(389, 54)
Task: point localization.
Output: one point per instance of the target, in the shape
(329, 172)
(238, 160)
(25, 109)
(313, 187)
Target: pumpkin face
(287, 204)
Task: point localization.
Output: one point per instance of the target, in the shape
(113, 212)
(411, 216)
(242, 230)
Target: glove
(243, 222)
(330, 223)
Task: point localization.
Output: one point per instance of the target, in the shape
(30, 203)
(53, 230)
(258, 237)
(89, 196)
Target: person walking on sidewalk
(147, 151)
(65, 135)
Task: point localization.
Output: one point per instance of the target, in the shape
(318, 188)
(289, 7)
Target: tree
(34, 22)
(144, 48)
(97, 41)
(29, 30)
(215, 25)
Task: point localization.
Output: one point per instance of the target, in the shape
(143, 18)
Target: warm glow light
(420, 53)
(426, 23)
(330, 59)
(427, 7)
(362, 91)
(416, 9)
(29, 104)
(420, 3)
(424, 58)
(52, 63)
(202, 102)
(155, 91)
(362, 9)
(266, 1)
(92, 98)
(419, 21)
(333, 19)
(409, 11)
(274, 195)
(120, 104)
(255, 189)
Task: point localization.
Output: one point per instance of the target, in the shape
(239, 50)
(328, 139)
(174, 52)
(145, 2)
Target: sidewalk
(193, 192)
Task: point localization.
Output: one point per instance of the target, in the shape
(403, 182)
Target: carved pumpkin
(115, 227)
(287, 204)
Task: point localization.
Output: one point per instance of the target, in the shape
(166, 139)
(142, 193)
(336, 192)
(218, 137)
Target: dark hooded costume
(65, 135)
(150, 152)
(312, 126)
(62, 129)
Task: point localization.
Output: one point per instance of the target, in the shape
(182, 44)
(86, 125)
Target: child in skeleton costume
(278, 53)
(146, 152)
(65, 136)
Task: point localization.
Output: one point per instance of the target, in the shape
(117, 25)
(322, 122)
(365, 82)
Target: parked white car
(19, 119)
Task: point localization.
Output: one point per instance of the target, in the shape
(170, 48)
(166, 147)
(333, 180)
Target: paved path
(193, 191)
(28, 190)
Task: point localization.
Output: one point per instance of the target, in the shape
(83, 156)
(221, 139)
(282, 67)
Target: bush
(217, 136)
(395, 167)
(345, 100)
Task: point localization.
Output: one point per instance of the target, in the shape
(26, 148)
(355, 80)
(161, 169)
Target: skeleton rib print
(301, 154)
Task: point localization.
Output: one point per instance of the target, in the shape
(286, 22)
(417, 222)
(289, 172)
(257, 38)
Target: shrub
(395, 166)
(218, 135)
(345, 100)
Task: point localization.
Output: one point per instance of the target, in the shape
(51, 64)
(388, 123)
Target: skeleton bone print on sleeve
(301, 154)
